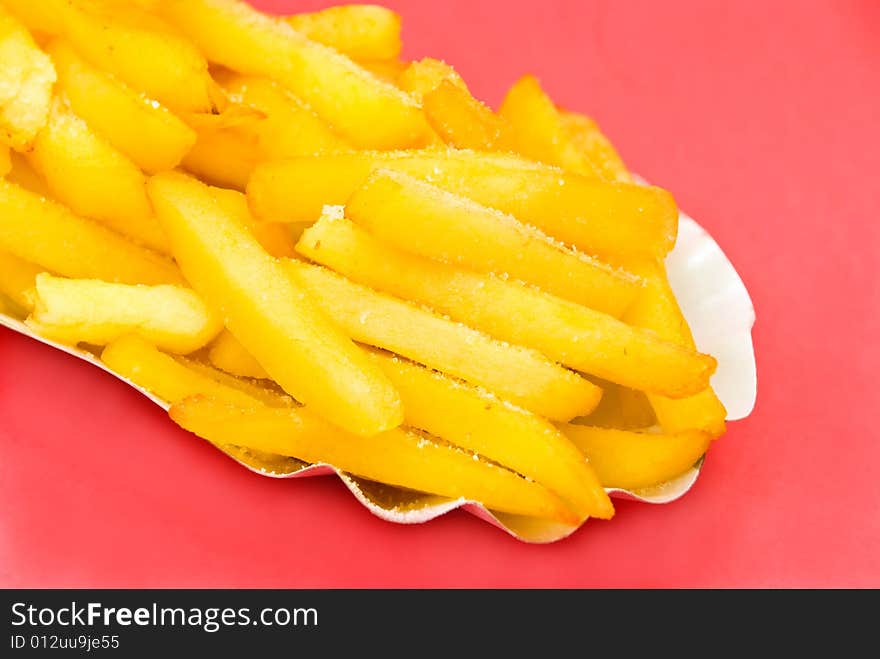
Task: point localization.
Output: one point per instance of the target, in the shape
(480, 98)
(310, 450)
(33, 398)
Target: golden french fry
(520, 375)
(143, 130)
(172, 318)
(224, 157)
(656, 309)
(164, 376)
(388, 70)
(26, 79)
(424, 75)
(48, 234)
(140, 49)
(42, 16)
(276, 239)
(21, 173)
(397, 457)
(621, 408)
(613, 218)
(474, 419)
(587, 139)
(290, 127)
(5, 160)
(540, 130)
(632, 460)
(227, 354)
(367, 111)
(87, 174)
(462, 121)
(581, 338)
(263, 392)
(17, 278)
(274, 319)
(421, 218)
(359, 31)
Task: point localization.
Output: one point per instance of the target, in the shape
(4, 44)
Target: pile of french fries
(310, 247)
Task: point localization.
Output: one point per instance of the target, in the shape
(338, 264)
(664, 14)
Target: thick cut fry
(462, 121)
(162, 375)
(587, 139)
(275, 238)
(425, 75)
(621, 408)
(367, 111)
(290, 127)
(224, 156)
(426, 220)
(26, 79)
(5, 160)
(656, 309)
(542, 131)
(613, 218)
(24, 175)
(260, 391)
(274, 319)
(359, 31)
(46, 233)
(17, 278)
(574, 335)
(73, 311)
(631, 460)
(522, 376)
(475, 419)
(42, 16)
(143, 130)
(388, 70)
(141, 50)
(229, 355)
(95, 180)
(397, 457)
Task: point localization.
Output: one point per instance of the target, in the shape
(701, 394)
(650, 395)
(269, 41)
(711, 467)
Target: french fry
(631, 460)
(274, 238)
(48, 234)
(621, 408)
(143, 130)
(21, 173)
(290, 127)
(522, 376)
(141, 50)
(17, 278)
(574, 335)
(359, 31)
(26, 80)
(367, 111)
(164, 376)
(476, 420)
(656, 309)
(462, 121)
(92, 178)
(43, 16)
(587, 139)
(227, 354)
(172, 318)
(542, 131)
(426, 220)
(224, 156)
(261, 391)
(613, 218)
(424, 75)
(5, 160)
(397, 457)
(388, 70)
(274, 319)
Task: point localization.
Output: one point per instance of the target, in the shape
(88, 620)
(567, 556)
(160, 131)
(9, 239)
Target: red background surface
(761, 117)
